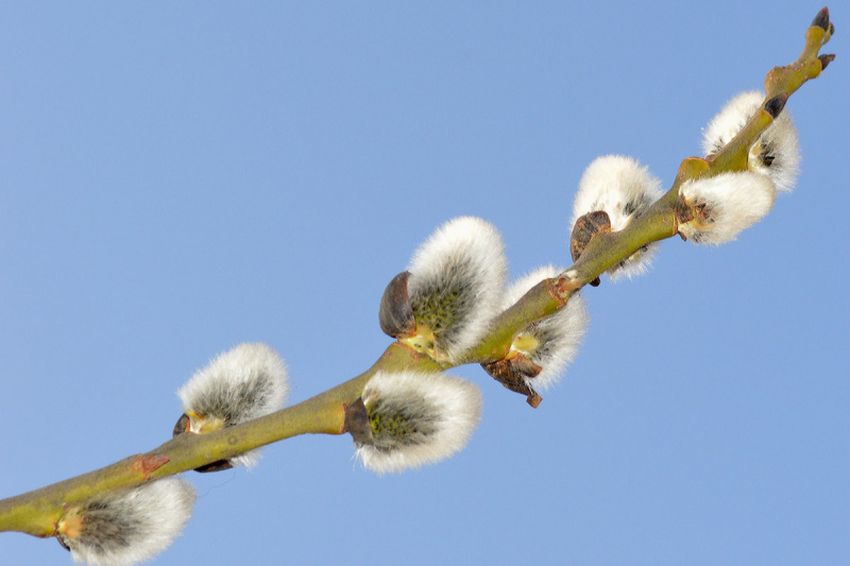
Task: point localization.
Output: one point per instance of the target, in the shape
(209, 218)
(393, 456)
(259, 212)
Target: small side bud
(128, 527)
(776, 153)
(396, 313)
(414, 419)
(623, 189)
(455, 286)
(715, 210)
(821, 20)
(239, 385)
(826, 59)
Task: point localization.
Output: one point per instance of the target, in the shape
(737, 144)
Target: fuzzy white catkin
(244, 383)
(732, 202)
(559, 336)
(133, 526)
(779, 141)
(460, 270)
(439, 413)
(624, 189)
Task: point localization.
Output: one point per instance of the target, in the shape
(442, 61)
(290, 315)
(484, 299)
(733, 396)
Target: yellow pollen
(70, 526)
(525, 344)
(423, 341)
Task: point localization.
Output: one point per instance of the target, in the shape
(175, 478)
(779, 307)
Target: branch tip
(822, 19)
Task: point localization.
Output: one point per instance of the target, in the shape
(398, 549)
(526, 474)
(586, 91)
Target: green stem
(37, 512)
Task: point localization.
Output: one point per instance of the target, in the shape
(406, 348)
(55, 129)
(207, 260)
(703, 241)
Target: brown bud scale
(396, 313)
(357, 422)
(586, 227)
(512, 373)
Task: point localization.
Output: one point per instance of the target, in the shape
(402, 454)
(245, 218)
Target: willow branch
(609, 249)
(37, 512)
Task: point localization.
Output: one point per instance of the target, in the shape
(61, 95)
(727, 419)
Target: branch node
(147, 464)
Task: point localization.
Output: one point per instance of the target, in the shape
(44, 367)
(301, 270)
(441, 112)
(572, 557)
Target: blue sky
(179, 178)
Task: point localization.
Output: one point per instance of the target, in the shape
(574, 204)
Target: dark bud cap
(586, 227)
(775, 105)
(826, 59)
(596, 282)
(396, 314)
(217, 466)
(831, 29)
(822, 19)
(181, 426)
(357, 422)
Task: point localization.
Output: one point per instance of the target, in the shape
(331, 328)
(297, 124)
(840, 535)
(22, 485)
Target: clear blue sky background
(176, 178)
